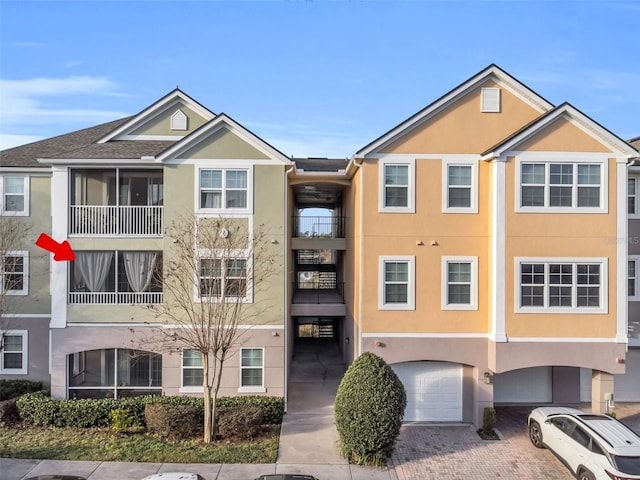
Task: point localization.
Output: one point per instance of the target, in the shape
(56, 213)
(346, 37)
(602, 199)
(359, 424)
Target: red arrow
(61, 251)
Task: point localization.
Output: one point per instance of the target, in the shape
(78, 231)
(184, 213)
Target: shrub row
(40, 409)
(14, 388)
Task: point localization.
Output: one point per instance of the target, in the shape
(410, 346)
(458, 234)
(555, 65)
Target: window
(459, 193)
(192, 369)
(633, 209)
(561, 286)
(223, 189)
(490, 100)
(397, 283)
(14, 267)
(13, 354)
(561, 187)
(459, 283)
(252, 370)
(397, 187)
(116, 278)
(15, 195)
(228, 275)
(633, 287)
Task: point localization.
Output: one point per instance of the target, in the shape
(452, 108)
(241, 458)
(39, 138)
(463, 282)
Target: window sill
(191, 390)
(562, 311)
(252, 390)
(461, 307)
(22, 371)
(397, 307)
(576, 210)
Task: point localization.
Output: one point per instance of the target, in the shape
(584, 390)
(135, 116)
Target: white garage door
(527, 385)
(434, 391)
(627, 386)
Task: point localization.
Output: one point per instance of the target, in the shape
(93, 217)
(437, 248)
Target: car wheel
(586, 475)
(535, 434)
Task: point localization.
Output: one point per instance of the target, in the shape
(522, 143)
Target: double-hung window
(561, 285)
(397, 283)
(562, 186)
(633, 269)
(459, 192)
(14, 267)
(252, 370)
(13, 352)
(224, 190)
(397, 191)
(633, 209)
(460, 283)
(14, 199)
(223, 278)
(192, 369)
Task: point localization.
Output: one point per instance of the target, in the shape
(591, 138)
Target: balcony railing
(318, 227)
(115, 298)
(315, 292)
(112, 220)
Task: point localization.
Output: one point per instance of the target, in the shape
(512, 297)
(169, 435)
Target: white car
(593, 447)
(174, 476)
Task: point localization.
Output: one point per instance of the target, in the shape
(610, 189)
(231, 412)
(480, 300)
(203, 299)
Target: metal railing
(115, 298)
(318, 227)
(318, 292)
(111, 220)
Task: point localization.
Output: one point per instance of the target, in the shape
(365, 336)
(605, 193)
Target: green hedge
(40, 409)
(14, 388)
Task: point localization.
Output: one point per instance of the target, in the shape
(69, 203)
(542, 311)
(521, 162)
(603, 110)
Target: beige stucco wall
(224, 144)
(161, 124)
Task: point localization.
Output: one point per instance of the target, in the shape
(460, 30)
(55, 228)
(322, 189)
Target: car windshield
(630, 465)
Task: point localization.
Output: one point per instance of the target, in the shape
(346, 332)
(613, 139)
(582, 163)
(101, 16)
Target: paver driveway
(457, 453)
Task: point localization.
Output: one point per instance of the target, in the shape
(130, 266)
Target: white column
(498, 244)
(59, 229)
(621, 244)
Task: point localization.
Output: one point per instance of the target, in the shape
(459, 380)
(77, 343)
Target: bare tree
(13, 231)
(214, 274)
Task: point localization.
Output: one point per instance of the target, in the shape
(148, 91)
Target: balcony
(318, 293)
(112, 220)
(318, 226)
(115, 298)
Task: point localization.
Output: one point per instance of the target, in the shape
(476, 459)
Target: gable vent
(178, 120)
(490, 100)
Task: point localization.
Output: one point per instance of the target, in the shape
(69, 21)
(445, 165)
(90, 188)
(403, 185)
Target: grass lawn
(50, 443)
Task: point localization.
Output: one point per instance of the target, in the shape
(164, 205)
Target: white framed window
(397, 283)
(460, 187)
(490, 100)
(14, 199)
(14, 359)
(633, 209)
(562, 186)
(561, 285)
(224, 278)
(459, 283)
(14, 267)
(633, 285)
(192, 371)
(224, 190)
(397, 186)
(252, 370)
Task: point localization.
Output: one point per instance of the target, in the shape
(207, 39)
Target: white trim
(26, 194)
(251, 388)
(189, 388)
(248, 210)
(575, 159)
(636, 260)
(473, 304)
(240, 327)
(429, 157)
(603, 308)
(59, 279)
(25, 353)
(34, 171)
(473, 163)
(498, 251)
(168, 138)
(489, 104)
(622, 225)
(25, 273)
(425, 335)
(25, 315)
(141, 162)
(562, 340)
(636, 201)
(179, 120)
(411, 186)
(241, 254)
(411, 282)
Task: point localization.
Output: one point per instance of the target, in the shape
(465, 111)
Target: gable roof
(565, 110)
(491, 72)
(220, 121)
(152, 111)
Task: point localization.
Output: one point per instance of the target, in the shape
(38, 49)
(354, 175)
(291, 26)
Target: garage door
(527, 385)
(434, 391)
(627, 386)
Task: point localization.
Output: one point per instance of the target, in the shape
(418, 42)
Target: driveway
(457, 453)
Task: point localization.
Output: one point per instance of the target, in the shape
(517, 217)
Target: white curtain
(94, 268)
(139, 267)
(211, 200)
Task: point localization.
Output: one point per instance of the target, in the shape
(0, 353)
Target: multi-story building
(479, 247)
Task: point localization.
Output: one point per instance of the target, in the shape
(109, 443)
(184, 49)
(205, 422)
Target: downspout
(286, 310)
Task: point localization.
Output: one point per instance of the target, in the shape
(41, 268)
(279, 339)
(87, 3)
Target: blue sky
(313, 78)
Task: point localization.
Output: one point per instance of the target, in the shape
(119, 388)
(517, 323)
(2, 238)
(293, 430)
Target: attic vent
(178, 120)
(490, 100)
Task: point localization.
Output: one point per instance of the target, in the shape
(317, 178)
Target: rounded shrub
(369, 408)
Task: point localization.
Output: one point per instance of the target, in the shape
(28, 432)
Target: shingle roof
(321, 164)
(81, 144)
(635, 143)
